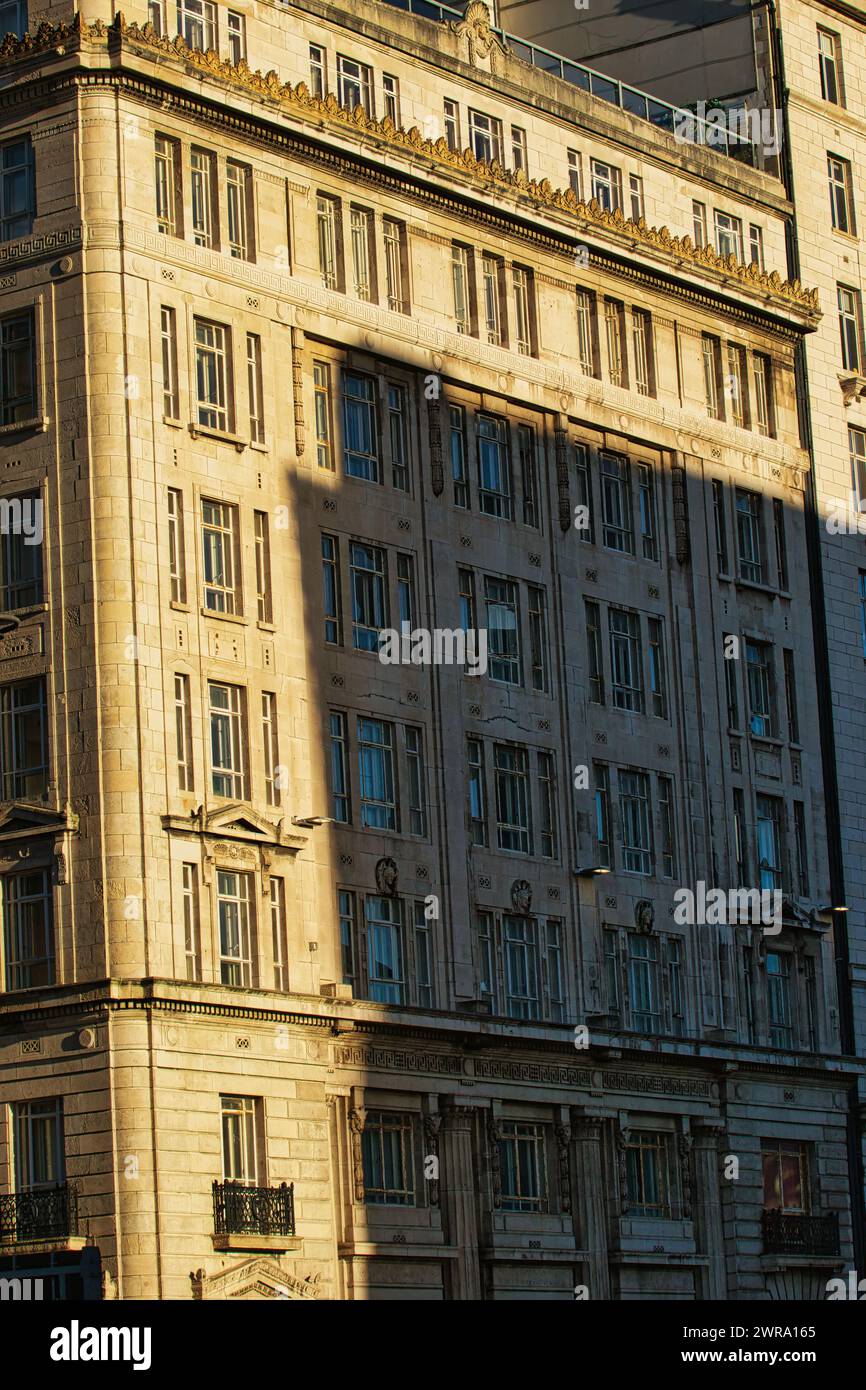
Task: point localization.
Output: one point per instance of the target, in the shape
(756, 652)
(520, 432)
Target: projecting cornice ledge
(488, 178)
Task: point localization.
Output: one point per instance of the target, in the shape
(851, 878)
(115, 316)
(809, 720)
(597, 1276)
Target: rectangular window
(398, 411)
(318, 70)
(635, 822)
(595, 667)
(183, 733)
(491, 277)
(28, 916)
(406, 601)
(328, 237)
(750, 536)
(769, 826)
(461, 284)
(584, 493)
(237, 36)
(360, 430)
(396, 260)
(801, 846)
(741, 853)
(603, 837)
(377, 778)
(24, 744)
(522, 1167)
(720, 526)
(391, 98)
(191, 930)
(616, 510)
(363, 253)
(17, 189)
(452, 124)
(346, 908)
(546, 771)
(459, 476)
(781, 543)
(518, 149)
(176, 546)
(658, 667)
(485, 137)
(494, 468)
(279, 943)
(522, 284)
(234, 915)
(520, 947)
(264, 607)
(779, 999)
(222, 589)
(830, 67)
(203, 181)
(487, 978)
(667, 826)
(642, 349)
(538, 647)
(423, 958)
(574, 179)
(626, 660)
(322, 406)
(699, 223)
(731, 682)
(166, 177)
(556, 993)
(586, 332)
(511, 777)
(21, 550)
(606, 185)
(388, 1158)
(736, 387)
(466, 585)
(729, 235)
(385, 954)
(18, 399)
(213, 375)
(646, 1172)
(477, 792)
(227, 740)
(38, 1144)
(270, 748)
(850, 327)
(168, 337)
(196, 23)
(762, 384)
(13, 18)
(643, 981)
(331, 590)
(785, 1172)
(354, 85)
(647, 511)
(239, 202)
(759, 669)
(841, 194)
(240, 1140)
(503, 630)
(635, 193)
(254, 388)
(368, 585)
(614, 323)
(342, 804)
(712, 357)
(756, 246)
(416, 780)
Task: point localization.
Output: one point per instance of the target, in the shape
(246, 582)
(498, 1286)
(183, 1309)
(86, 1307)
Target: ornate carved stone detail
(357, 1120)
(622, 1142)
(494, 1135)
(386, 876)
(644, 915)
(432, 1126)
(434, 425)
(685, 1144)
(521, 896)
(563, 1141)
(561, 446)
(298, 390)
(475, 31)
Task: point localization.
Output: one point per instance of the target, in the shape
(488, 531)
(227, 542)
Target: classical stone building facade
(325, 976)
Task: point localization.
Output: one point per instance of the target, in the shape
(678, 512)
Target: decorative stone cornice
(490, 176)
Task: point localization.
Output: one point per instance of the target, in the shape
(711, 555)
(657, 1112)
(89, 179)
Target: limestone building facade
(331, 977)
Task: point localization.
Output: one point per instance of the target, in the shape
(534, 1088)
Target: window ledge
(853, 387)
(761, 588)
(52, 1245)
(767, 739)
(259, 448)
(180, 607)
(237, 618)
(207, 433)
(172, 422)
(37, 422)
(266, 627)
(254, 1242)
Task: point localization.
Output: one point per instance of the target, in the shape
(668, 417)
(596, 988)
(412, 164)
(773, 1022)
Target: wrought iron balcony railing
(44, 1213)
(260, 1211)
(793, 1233)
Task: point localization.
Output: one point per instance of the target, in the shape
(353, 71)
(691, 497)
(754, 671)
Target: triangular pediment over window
(21, 820)
(236, 821)
(253, 1279)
